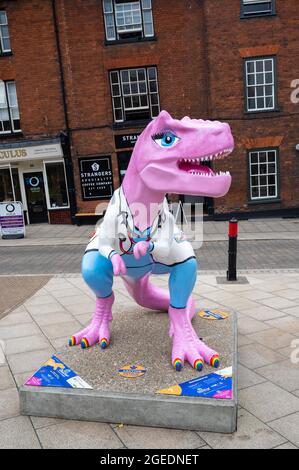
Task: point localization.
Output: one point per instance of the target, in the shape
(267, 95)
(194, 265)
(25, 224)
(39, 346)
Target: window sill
(58, 208)
(264, 201)
(128, 124)
(11, 135)
(258, 15)
(129, 41)
(6, 54)
(262, 111)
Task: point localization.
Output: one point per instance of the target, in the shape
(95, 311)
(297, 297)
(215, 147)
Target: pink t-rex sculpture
(138, 236)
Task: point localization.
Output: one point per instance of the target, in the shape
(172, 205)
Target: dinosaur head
(173, 156)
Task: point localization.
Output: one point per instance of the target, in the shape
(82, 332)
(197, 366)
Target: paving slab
(140, 337)
(274, 338)
(288, 426)
(286, 446)
(138, 437)
(257, 355)
(26, 344)
(247, 378)
(6, 379)
(78, 435)
(285, 374)
(25, 362)
(9, 403)
(268, 402)
(18, 433)
(251, 434)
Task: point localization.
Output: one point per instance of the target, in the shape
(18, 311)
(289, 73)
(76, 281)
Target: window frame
(49, 207)
(244, 15)
(124, 122)
(121, 40)
(4, 52)
(264, 199)
(12, 130)
(275, 107)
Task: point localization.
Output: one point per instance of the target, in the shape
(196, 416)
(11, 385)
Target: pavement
(268, 349)
(268, 322)
(253, 229)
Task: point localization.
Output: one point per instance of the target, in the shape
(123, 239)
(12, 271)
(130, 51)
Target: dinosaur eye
(166, 139)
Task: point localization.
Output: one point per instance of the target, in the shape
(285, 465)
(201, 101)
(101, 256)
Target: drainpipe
(65, 135)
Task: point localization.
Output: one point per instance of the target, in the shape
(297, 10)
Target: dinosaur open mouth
(200, 166)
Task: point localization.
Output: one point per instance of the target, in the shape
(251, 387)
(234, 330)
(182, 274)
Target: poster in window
(96, 178)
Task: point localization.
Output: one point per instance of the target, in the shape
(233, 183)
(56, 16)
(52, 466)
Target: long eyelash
(160, 135)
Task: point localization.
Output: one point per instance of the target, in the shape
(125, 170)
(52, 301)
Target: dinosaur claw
(72, 341)
(84, 343)
(178, 364)
(198, 365)
(104, 343)
(215, 362)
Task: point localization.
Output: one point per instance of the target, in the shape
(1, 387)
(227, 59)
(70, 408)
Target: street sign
(12, 223)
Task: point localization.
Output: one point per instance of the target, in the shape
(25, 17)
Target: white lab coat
(168, 243)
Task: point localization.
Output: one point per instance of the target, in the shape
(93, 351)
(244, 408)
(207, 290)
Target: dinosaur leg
(186, 344)
(97, 272)
(146, 294)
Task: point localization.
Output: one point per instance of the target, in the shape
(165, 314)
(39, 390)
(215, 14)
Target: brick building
(79, 80)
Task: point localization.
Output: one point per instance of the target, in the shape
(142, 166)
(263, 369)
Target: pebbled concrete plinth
(140, 337)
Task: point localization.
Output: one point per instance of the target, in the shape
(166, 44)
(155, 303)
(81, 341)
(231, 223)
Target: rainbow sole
(178, 364)
(72, 341)
(215, 362)
(198, 365)
(104, 343)
(84, 343)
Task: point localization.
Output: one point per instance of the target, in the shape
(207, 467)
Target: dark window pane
(263, 191)
(263, 180)
(263, 169)
(255, 192)
(16, 183)
(272, 191)
(6, 192)
(57, 185)
(254, 157)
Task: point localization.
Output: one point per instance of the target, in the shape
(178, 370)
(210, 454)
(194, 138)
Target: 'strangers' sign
(123, 141)
(30, 153)
(96, 178)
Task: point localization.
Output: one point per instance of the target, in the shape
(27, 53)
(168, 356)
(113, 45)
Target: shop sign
(96, 178)
(31, 153)
(123, 141)
(12, 222)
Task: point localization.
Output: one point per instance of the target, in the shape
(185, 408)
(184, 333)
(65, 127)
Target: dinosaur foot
(186, 344)
(98, 331)
(93, 334)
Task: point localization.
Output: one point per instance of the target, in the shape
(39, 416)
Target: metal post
(232, 250)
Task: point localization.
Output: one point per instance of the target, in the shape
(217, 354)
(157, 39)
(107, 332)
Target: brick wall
(61, 216)
(199, 50)
(228, 42)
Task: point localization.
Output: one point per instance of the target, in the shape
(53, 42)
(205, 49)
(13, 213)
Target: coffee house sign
(31, 152)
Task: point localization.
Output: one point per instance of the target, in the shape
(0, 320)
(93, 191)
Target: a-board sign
(12, 223)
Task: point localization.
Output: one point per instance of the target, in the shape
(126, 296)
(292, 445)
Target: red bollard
(232, 250)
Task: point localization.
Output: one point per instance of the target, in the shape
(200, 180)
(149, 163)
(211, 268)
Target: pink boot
(98, 330)
(186, 344)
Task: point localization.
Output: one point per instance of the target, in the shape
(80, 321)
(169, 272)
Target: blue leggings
(97, 272)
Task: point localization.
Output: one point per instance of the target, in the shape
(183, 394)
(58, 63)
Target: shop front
(124, 144)
(33, 172)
